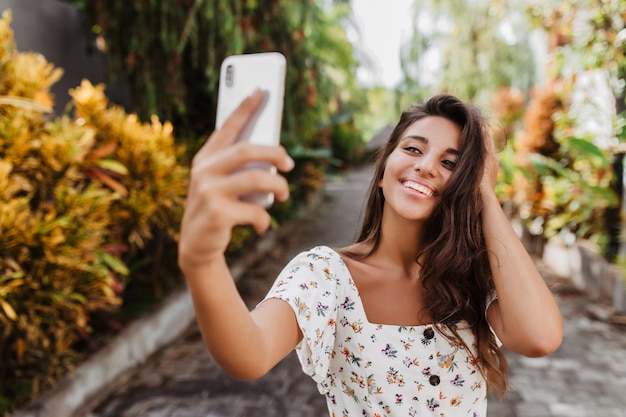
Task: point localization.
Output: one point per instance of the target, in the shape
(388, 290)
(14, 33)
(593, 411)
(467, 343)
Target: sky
(384, 26)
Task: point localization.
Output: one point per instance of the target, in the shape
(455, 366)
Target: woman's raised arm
(525, 315)
(245, 344)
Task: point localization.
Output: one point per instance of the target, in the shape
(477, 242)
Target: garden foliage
(170, 53)
(80, 194)
(566, 186)
(562, 179)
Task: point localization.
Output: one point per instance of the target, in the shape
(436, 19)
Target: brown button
(434, 380)
(429, 333)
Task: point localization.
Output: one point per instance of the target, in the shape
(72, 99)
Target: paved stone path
(586, 377)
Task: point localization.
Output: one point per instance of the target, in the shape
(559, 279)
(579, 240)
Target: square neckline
(359, 301)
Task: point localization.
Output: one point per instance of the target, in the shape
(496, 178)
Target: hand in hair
(492, 166)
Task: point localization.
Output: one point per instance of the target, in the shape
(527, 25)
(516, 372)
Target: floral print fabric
(367, 369)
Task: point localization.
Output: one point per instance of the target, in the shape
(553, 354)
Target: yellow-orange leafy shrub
(76, 194)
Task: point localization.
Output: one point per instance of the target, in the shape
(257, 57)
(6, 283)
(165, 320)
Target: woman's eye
(449, 164)
(412, 149)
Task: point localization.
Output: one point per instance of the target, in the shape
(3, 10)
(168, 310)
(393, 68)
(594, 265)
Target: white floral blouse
(367, 369)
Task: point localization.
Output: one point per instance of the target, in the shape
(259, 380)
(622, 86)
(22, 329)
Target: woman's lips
(419, 188)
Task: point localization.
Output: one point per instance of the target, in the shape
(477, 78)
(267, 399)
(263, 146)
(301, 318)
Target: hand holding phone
(216, 182)
(240, 76)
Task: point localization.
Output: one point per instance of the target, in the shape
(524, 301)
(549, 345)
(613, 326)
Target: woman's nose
(426, 166)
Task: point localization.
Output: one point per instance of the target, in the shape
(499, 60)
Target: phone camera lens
(230, 75)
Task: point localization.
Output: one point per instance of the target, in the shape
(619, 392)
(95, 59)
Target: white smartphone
(240, 76)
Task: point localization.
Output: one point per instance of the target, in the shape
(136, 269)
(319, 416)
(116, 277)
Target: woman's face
(418, 170)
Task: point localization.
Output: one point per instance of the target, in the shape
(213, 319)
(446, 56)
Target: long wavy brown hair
(455, 271)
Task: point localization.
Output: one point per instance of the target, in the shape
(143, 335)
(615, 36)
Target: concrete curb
(97, 377)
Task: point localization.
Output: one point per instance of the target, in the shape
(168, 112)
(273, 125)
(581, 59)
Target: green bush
(347, 143)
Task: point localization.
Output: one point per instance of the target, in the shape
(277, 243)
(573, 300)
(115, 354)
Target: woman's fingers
(240, 154)
(232, 127)
(252, 180)
(243, 213)
(206, 228)
(213, 207)
(491, 166)
(220, 174)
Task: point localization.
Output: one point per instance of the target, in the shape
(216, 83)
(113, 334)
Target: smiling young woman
(408, 320)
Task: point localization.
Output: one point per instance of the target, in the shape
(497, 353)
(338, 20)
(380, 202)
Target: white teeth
(417, 187)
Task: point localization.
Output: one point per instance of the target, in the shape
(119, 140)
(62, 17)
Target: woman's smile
(422, 189)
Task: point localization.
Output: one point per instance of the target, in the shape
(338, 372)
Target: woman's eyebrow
(425, 141)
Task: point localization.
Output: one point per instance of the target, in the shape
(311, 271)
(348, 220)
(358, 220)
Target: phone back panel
(240, 76)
